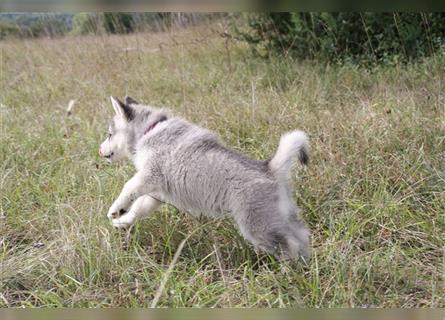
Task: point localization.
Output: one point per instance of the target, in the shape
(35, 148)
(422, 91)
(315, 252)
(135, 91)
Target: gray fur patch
(129, 100)
(187, 166)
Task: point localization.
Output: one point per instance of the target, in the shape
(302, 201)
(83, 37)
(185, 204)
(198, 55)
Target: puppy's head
(120, 136)
(130, 122)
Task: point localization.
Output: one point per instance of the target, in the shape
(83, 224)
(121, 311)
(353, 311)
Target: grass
(373, 196)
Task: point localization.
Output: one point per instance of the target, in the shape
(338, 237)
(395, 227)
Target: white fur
(116, 106)
(290, 145)
(140, 159)
(142, 207)
(132, 190)
(116, 147)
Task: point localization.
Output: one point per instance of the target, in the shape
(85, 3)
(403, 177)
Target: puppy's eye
(109, 135)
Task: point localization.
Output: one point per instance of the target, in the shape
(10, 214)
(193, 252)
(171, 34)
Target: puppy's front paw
(115, 212)
(120, 225)
(124, 222)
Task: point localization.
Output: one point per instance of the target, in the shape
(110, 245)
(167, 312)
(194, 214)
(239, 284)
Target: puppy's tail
(292, 145)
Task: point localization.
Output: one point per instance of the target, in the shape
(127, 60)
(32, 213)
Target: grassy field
(373, 195)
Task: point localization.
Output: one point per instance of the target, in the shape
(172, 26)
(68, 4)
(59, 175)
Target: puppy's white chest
(141, 159)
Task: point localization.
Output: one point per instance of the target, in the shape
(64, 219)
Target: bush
(347, 35)
(49, 27)
(109, 22)
(85, 23)
(9, 29)
(115, 22)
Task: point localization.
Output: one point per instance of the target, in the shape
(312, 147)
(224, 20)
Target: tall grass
(374, 194)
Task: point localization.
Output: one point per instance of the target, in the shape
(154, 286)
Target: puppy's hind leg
(143, 206)
(259, 232)
(297, 243)
(283, 239)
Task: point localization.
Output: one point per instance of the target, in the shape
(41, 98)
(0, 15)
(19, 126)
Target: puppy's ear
(122, 109)
(129, 100)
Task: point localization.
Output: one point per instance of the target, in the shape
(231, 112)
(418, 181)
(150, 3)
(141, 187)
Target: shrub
(49, 27)
(346, 35)
(109, 22)
(118, 22)
(85, 23)
(27, 25)
(9, 29)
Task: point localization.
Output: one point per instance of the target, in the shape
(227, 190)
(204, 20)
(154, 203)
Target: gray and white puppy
(182, 164)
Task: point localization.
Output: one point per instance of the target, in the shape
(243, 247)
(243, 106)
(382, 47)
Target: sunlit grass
(374, 194)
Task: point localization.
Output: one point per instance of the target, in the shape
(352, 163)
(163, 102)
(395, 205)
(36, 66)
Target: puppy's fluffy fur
(185, 165)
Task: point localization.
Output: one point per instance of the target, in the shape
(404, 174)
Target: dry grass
(374, 195)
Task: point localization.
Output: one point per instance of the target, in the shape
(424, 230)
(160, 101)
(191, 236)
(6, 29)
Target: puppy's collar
(153, 125)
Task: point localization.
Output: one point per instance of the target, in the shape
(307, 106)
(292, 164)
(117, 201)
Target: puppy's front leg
(143, 206)
(133, 189)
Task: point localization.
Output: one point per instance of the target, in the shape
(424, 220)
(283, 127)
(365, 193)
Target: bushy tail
(293, 144)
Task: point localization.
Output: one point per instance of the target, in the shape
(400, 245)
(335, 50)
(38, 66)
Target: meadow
(373, 194)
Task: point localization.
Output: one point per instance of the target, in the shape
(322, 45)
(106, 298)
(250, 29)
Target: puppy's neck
(154, 124)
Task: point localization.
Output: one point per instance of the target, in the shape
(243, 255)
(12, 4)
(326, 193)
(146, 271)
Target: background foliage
(346, 35)
(340, 36)
(26, 25)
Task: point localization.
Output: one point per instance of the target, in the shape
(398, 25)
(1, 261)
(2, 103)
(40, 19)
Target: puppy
(184, 165)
